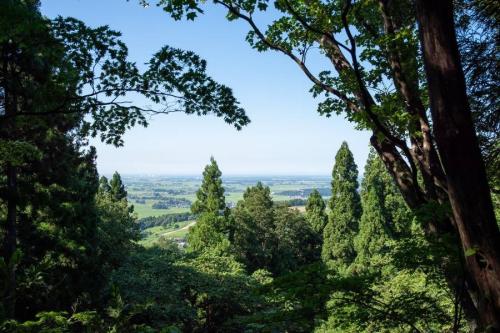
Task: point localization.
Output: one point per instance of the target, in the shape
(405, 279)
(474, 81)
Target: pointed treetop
(117, 187)
(210, 196)
(345, 211)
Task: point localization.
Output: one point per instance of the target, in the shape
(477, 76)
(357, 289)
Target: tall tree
(210, 196)
(254, 240)
(372, 240)
(117, 188)
(61, 81)
(297, 243)
(104, 185)
(345, 211)
(315, 212)
(382, 46)
(398, 217)
(212, 227)
(477, 37)
(460, 155)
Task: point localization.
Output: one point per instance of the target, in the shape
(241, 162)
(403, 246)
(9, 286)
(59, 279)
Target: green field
(145, 191)
(144, 210)
(154, 234)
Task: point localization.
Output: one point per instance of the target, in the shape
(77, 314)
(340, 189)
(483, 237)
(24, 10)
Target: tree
(117, 188)
(396, 214)
(210, 231)
(315, 212)
(104, 186)
(212, 227)
(345, 206)
(372, 240)
(210, 196)
(381, 46)
(191, 294)
(456, 139)
(117, 230)
(254, 240)
(475, 22)
(297, 243)
(60, 82)
(271, 237)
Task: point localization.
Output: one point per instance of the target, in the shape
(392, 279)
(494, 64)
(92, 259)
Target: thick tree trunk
(461, 158)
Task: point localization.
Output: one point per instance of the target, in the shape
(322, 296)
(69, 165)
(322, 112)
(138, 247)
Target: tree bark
(468, 188)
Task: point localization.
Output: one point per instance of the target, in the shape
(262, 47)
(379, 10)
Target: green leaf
(471, 251)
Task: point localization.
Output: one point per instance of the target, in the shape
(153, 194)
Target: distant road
(183, 228)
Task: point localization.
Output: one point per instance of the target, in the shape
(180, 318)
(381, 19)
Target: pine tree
(315, 212)
(104, 185)
(117, 187)
(372, 240)
(396, 213)
(342, 226)
(210, 196)
(211, 228)
(385, 215)
(207, 233)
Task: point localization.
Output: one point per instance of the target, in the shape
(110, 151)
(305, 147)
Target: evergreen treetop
(210, 196)
(315, 211)
(104, 185)
(117, 187)
(345, 205)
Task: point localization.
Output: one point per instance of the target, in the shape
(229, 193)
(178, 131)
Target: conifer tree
(372, 240)
(315, 212)
(342, 226)
(211, 227)
(117, 187)
(104, 185)
(254, 224)
(385, 215)
(396, 213)
(208, 232)
(210, 196)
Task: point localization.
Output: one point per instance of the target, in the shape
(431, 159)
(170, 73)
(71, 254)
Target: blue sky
(287, 136)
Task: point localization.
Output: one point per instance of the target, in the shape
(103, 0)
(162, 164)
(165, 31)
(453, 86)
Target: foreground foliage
(382, 259)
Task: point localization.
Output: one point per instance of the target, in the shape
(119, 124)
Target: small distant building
(181, 242)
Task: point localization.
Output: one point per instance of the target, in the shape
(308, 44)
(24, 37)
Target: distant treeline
(292, 202)
(172, 192)
(326, 192)
(154, 196)
(167, 203)
(166, 220)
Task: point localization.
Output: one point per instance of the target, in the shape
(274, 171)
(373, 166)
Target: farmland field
(174, 194)
(152, 235)
(146, 191)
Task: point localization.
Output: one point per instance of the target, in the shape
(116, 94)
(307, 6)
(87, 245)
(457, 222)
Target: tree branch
(236, 11)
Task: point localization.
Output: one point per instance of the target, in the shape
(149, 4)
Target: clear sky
(286, 136)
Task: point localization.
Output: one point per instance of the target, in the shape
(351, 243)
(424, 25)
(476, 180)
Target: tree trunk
(468, 189)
